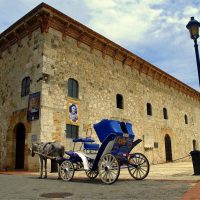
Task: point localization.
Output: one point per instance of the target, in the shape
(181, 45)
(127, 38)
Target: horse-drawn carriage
(117, 141)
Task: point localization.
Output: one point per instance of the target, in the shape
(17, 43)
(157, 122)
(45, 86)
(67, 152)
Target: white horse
(49, 150)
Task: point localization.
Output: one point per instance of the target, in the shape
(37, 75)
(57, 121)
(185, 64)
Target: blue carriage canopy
(106, 127)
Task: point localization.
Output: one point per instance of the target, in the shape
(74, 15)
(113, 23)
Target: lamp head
(193, 26)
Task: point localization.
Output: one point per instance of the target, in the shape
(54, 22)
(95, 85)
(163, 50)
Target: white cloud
(153, 29)
(127, 21)
(190, 11)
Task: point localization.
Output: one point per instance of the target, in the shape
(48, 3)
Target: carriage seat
(91, 146)
(88, 144)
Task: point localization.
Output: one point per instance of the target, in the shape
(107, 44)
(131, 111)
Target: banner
(33, 106)
(73, 112)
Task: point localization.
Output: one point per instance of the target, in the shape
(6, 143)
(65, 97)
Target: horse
(49, 150)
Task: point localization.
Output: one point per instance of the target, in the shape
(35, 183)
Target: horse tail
(62, 151)
(33, 153)
(33, 150)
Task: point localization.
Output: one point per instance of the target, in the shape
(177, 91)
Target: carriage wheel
(91, 174)
(109, 169)
(138, 166)
(67, 170)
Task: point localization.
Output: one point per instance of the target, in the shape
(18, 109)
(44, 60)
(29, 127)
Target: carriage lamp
(193, 27)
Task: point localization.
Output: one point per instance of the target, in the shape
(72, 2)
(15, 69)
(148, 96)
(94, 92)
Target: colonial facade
(58, 77)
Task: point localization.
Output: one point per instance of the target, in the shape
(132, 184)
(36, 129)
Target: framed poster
(73, 112)
(33, 106)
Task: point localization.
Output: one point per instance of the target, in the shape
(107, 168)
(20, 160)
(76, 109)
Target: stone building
(50, 63)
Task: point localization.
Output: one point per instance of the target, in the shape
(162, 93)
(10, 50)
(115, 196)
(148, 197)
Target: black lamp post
(193, 26)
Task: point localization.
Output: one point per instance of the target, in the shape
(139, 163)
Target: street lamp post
(193, 26)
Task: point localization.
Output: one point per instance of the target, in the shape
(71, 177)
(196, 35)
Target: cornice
(45, 16)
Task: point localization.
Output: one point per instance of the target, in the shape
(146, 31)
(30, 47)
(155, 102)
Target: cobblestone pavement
(30, 187)
(171, 181)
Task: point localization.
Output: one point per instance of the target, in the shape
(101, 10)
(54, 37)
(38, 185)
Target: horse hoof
(40, 177)
(45, 176)
(59, 178)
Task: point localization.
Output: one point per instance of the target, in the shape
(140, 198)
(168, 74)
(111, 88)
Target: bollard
(196, 161)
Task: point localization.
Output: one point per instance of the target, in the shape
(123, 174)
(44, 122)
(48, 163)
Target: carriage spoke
(133, 168)
(92, 174)
(143, 170)
(67, 170)
(113, 162)
(135, 171)
(138, 166)
(103, 172)
(109, 169)
(139, 173)
(113, 172)
(110, 178)
(108, 158)
(105, 175)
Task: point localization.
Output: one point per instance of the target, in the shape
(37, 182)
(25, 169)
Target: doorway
(168, 148)
(20, 146)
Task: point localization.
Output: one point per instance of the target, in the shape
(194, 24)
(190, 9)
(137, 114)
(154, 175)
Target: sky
(155, 30)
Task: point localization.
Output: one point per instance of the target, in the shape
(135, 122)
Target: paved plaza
(168, 181)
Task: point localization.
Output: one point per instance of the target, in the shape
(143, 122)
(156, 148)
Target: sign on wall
(33, 106)
(73, 112)
(148, 141)
(33, 138)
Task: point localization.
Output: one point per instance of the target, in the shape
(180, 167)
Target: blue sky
(152, 29)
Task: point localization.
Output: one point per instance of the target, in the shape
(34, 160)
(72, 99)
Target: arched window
(165, 114)
(119, 101)
(72, 88)
(149, 109)
(186, 119)
(25, 88)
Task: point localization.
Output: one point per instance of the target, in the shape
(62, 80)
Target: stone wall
(100, 79)
(21, 60)
(50, 61)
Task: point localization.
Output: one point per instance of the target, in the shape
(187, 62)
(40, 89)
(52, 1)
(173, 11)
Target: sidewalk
(168, 171)
(173, 171)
